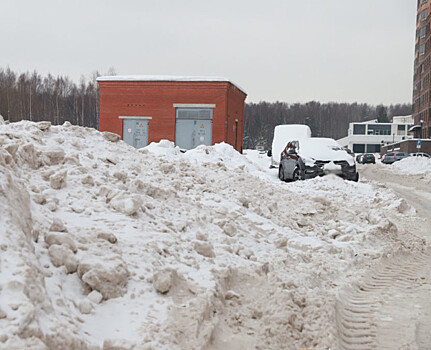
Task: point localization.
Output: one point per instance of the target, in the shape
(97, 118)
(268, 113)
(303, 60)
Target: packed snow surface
(103, 246)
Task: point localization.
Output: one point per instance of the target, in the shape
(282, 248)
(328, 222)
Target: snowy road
(389, 307)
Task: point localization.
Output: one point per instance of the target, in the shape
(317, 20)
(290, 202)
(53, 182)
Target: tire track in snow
(389, 309)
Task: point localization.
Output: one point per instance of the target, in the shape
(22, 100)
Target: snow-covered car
(420, 154)
(282, 135)
(308, 158)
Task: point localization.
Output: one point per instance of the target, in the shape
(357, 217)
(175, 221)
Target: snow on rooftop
(168, 78)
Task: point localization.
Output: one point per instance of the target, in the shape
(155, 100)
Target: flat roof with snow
(168, 78)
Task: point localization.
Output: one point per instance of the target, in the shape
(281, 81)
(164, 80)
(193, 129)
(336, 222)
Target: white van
(282, 135)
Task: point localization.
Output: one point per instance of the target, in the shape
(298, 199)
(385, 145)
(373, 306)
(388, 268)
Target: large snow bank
(413, 166)
(105, 246)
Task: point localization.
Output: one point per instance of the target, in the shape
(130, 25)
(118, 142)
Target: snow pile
(163, 149)
(221, 154)
(106, 247)
(413, 166)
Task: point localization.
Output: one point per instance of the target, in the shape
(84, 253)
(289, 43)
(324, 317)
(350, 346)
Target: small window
(422, 50)
(422, 68)
(358, 148)
(358, 129)
(424, 15)
(424, 1)
(423, 32)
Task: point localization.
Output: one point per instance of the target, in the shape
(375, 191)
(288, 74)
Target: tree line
(58, 99)
(325, 119)
(30, 96)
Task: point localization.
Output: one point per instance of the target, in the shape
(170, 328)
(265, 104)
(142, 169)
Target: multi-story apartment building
(422, 71)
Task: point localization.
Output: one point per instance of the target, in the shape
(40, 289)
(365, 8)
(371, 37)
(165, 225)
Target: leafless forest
(58, 99)
(325, 119)
(33, 97)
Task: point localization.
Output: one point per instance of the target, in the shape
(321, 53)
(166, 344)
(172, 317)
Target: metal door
(135, 132)
(193, 127)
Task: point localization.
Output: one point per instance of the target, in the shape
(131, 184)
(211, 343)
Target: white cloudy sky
(287, 50)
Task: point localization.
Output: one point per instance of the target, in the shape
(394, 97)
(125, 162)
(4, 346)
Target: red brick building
(186, 110)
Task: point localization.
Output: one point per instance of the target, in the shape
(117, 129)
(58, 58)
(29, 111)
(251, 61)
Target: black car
(367, 158)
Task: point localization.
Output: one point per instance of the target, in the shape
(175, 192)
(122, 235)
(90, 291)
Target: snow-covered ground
(105, 246)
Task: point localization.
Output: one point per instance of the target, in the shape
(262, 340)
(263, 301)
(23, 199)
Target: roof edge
(167, 78)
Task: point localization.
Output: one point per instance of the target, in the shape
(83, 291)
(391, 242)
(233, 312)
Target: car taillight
(394, 155)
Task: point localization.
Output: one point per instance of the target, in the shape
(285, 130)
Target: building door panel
(193, 128)
(135, 132)
(192, 133)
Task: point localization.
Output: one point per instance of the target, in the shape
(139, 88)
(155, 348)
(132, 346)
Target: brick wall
(408, 146)
(156, 100)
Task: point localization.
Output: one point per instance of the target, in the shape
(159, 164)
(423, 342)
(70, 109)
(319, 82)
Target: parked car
(420, 154)
(367, 158)
(392, 157)
(358, 157)
(311, 157)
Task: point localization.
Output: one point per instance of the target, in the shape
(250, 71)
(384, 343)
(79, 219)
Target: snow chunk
(85, 306)
(108, 275)
(58, 180)
(60, 238)
(204, 248)
(110, 136)
(54, 156)
(95, 297)
(57, 225)
(61, 256)
(126, 203)
(162, 281)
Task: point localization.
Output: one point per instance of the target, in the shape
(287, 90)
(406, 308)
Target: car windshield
(323, 149)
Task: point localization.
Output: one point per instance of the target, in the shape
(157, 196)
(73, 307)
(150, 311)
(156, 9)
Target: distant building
(369, 136)
(422, 72)
(189, 111)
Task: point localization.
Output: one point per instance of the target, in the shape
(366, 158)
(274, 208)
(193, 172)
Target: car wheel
(356, 178)
(296, 175)
(281, 173)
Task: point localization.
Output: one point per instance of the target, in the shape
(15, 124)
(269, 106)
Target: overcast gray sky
(286, 50)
